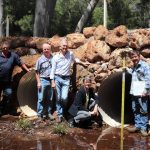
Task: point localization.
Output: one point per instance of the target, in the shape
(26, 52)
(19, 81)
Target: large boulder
(88, 31)
(55, 42)
(100, 33)
(118, 37)
(75, 40)
(93, 51)
(140, 38)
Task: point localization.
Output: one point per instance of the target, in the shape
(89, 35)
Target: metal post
(7, 26)
(105, 14)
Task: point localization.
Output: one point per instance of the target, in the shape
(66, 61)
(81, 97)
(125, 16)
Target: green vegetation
(132, 13)
(61, 129)
(23, 124)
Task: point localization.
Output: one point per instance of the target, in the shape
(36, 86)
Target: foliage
(97, 17)
(23, 124)
(132, 13)
(67, 14)
(25, 24)
(19, 12)
(60, 129)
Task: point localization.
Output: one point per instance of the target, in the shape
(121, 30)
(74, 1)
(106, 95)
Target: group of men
(53, 77)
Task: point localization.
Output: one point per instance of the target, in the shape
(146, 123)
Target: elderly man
(60, 75)
(84, 107)
(45, 92)
(8, 60)
(139, 90)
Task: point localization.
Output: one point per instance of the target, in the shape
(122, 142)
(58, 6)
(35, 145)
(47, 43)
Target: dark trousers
(5, 97)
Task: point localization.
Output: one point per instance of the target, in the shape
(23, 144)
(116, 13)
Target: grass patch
(23, 124)
(61, 129)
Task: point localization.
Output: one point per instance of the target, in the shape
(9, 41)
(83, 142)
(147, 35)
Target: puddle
(77, 139)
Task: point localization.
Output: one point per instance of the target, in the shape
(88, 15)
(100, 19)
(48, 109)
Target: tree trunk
(86, 15)
(1, 18)
(43, 15)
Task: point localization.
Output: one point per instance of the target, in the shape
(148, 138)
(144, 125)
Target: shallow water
(78, 139)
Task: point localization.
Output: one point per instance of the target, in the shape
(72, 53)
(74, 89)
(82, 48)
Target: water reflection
(108, 139)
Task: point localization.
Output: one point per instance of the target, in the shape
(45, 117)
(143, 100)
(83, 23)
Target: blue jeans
(5, 87)
(140, 110)
(45, 95)
(62, 88)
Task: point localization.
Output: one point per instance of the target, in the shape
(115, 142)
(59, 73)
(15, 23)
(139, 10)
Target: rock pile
(97, 45)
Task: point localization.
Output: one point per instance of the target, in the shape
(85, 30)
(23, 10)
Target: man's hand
(30, 69)
(39, 85)
(86, 64)
(93, 113)
(53, 84)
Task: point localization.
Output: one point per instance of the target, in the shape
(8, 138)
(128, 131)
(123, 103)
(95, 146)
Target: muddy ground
(41, 137)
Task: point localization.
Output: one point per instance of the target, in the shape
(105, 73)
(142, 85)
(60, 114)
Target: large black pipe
(110, 93)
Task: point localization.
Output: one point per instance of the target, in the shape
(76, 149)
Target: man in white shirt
(60, 75)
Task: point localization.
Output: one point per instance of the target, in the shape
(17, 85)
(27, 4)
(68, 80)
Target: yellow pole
(122, 103)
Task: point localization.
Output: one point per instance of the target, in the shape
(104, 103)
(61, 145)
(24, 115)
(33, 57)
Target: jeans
(82, 116)
(140, 110)
(5, 87)
(45, 95)
(62, 88)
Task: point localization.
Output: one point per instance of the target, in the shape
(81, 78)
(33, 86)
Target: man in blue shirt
(45, 92)
(8, 60)
(140, 85)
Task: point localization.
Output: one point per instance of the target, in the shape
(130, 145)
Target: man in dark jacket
(84, 106)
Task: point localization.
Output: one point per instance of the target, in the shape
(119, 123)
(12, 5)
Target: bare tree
(1, 18)
(86, 15)
(43, 14)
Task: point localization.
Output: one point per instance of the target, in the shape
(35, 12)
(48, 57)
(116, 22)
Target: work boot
(72, 123)
(132, 129)
(144, 133)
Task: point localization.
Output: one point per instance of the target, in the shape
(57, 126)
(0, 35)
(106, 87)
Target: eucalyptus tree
(44, 10)
(84, 18)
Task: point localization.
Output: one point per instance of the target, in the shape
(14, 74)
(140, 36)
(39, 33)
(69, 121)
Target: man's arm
(23, 66)
(52, 74)
(78, 61)
(37, 75)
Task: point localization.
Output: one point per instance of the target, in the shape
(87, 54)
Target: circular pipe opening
(110, 93)
(27, 94)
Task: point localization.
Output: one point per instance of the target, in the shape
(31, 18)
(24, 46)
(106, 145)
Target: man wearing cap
(84, 107)
(8, 60)
(60, 75)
